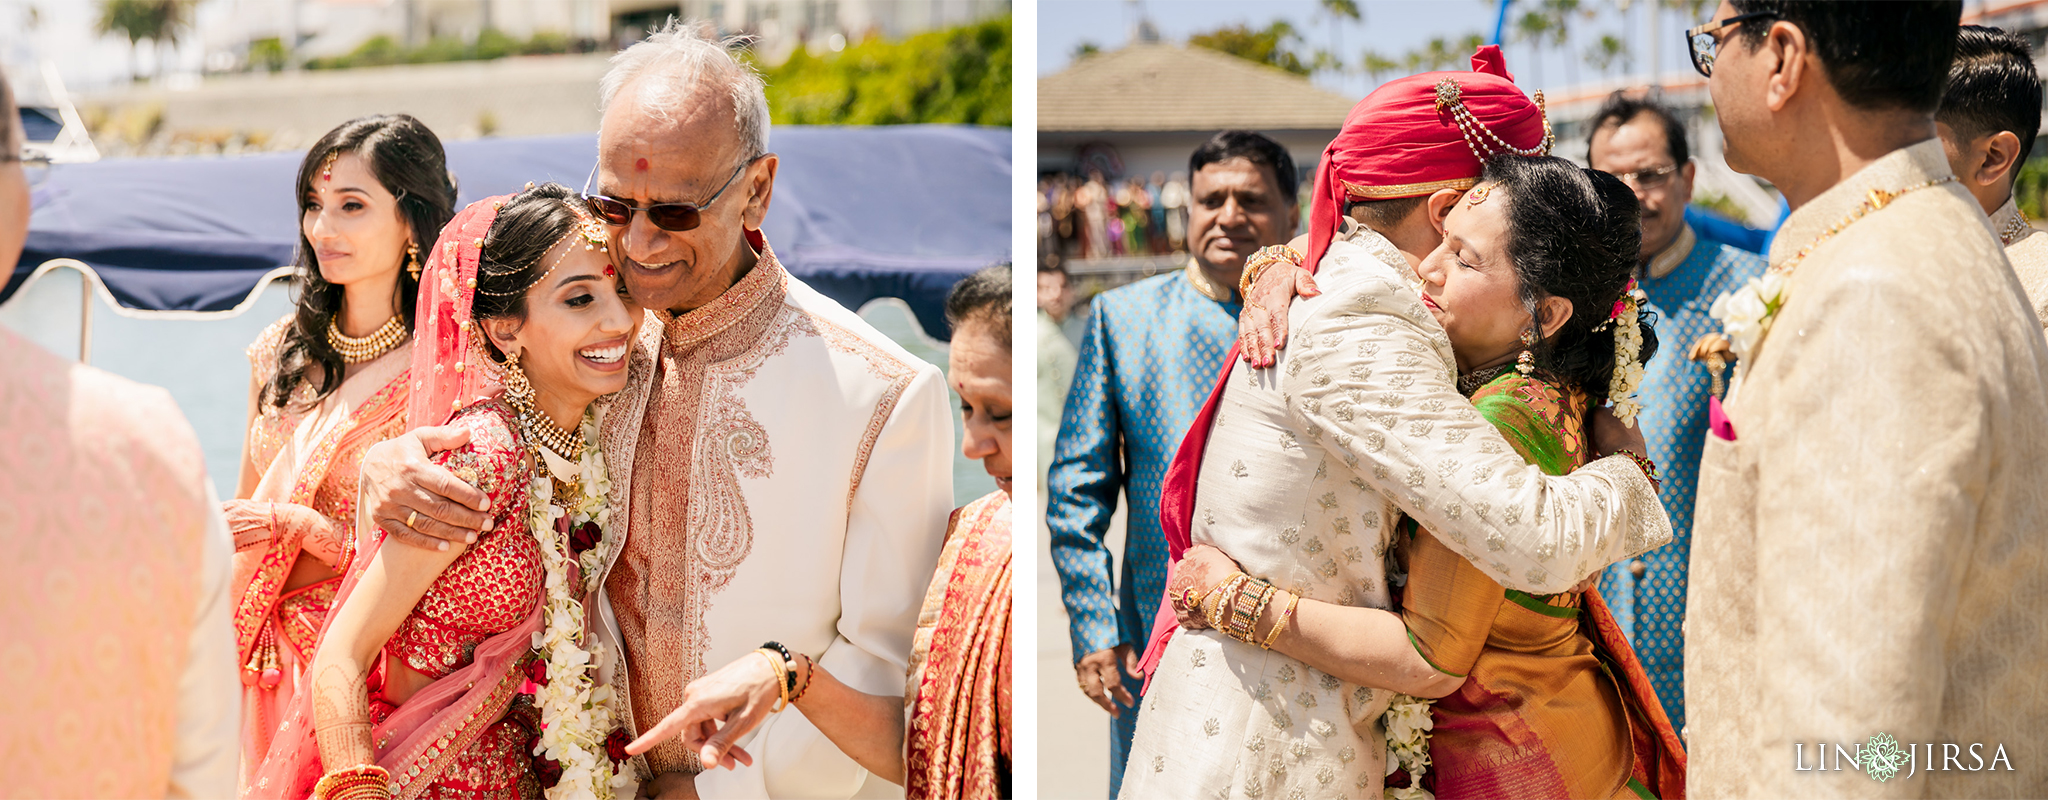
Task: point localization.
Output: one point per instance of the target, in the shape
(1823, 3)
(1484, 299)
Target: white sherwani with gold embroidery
(1870, 554)
(1308, 466)
(2028, 253)
(786, 474)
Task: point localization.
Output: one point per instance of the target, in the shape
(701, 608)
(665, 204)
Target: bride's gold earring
(518, 390)
(412, 259)
(1526, 362)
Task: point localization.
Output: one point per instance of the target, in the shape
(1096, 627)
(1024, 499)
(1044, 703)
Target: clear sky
(1391, 27)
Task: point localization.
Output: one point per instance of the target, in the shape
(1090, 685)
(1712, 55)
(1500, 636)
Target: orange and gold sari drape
(957, 743)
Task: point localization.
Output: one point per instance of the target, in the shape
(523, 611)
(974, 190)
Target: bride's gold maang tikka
(586, 227)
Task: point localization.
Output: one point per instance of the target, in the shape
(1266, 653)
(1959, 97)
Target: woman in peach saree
(373, 194)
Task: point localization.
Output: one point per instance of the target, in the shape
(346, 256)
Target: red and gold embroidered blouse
(495, 585)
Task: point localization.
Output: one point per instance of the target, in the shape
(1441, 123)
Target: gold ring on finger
(412, 518)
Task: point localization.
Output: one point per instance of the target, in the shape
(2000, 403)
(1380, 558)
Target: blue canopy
(859, 213)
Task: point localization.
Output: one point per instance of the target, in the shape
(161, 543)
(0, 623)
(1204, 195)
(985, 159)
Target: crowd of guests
(1728, 571)
(472, 551)
(1097, 217)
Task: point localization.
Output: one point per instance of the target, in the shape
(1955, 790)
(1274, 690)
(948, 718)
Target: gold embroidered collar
(1206, 285)
(1674, 254)
(766, 280)
(2010, 223)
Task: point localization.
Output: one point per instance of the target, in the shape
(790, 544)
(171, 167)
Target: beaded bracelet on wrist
(810, 671)
(1644, 463)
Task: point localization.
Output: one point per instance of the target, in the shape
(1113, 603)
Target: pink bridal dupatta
(449, 372)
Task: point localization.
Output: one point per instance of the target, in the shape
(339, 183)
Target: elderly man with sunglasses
(1869, 556)
(1644, 144)
(780, 470)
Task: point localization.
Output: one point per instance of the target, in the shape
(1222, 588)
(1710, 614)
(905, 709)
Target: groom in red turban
(1406, 153)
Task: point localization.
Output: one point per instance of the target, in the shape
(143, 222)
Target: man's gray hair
(675, 58)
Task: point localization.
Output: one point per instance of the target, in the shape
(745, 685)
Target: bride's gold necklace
(357, 351)
(544, 431)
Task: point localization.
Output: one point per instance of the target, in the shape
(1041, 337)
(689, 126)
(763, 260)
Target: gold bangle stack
(1256, 265)
(1240, 603)
(357, 351)
(360, 782)
(781, 677)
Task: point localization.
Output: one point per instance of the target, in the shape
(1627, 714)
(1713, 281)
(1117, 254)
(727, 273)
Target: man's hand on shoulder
(417, 501)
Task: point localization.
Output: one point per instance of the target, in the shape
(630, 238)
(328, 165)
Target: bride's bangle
(360, 782)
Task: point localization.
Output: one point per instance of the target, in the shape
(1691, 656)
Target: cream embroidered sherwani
(1309, 465)
(1870, 554)
(790, 479)
(2028, 254)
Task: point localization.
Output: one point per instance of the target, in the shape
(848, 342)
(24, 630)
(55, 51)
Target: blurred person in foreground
(1868, 560)
(327, 381)
(1680, 274)
(777, 462)
(113, 571)
(957, 741)
(1149, 354)
(1990, 111)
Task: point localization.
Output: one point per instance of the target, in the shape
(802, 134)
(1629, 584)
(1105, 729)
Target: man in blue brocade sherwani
(1151, 354)
(1645, 145)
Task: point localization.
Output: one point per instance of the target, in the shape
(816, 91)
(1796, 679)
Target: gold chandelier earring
(1526, 362)
(412, 259)
(518, 390)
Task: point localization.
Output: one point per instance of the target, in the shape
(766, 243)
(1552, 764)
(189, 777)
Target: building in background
(1138, 113)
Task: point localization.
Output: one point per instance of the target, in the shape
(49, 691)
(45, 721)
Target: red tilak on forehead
(640, 165)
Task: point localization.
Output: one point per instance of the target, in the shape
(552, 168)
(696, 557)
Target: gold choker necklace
(544, 432)
(357, 351)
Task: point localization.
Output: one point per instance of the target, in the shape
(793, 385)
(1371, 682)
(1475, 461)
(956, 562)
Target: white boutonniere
(1746, 313)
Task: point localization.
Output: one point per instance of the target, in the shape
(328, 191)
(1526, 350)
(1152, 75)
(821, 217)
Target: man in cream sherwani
(782, 469)
(1870, 560)
(1989, 114)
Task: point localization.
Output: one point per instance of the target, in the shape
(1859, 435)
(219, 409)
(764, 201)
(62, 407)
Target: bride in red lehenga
(441, 672)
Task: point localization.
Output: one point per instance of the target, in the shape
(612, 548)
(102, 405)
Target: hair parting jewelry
(327, 165)
(1478, 194)
(356, 351)
(586, 227)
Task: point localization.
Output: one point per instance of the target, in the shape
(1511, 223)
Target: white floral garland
(576, 715)
(1408, 724)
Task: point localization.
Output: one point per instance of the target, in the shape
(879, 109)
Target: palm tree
(159, 21)
(1337, 11)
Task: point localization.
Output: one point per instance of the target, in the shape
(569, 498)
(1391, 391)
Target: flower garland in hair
(578, 726)
(1628, 350)
(1408, 724)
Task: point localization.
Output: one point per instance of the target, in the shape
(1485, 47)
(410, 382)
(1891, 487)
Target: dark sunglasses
(1701, 42)
(673, 217)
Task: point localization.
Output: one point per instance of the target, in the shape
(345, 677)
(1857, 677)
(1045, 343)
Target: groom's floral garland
(1408, 724)
(580, 743)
